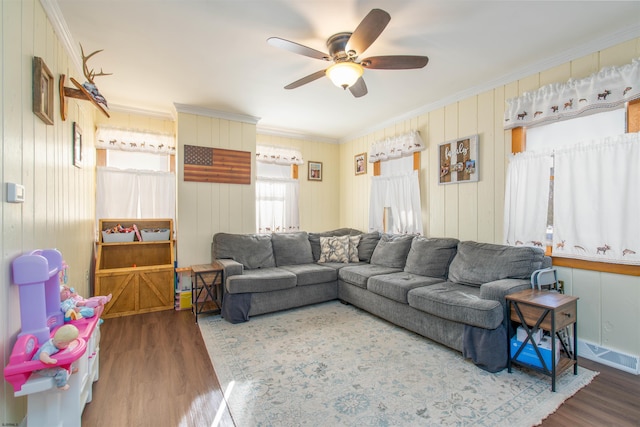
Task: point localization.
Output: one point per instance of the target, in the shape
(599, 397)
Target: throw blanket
(480, 345)
(235, 307)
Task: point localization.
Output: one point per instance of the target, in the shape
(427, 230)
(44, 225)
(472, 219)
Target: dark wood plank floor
(155, 371)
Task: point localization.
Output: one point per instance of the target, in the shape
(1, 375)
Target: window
(394, 205)
(138, 160)
(577, 177)
(574, 189)
(568, 133)
(135, 179)
(276, 191)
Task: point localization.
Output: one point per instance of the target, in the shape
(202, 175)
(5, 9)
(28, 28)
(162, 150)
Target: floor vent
(609, 357)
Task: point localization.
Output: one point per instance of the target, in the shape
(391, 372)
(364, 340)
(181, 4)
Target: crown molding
(142, 112)
(53, 12)
(285, 133)
(620, 36)
(208, 112)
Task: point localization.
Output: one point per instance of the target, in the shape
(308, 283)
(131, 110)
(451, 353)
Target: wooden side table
(206, 289)
(534, 309)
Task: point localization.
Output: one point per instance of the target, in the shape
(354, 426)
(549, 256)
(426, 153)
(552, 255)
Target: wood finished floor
(155, 371)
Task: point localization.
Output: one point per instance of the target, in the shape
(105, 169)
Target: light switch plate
(15, 193)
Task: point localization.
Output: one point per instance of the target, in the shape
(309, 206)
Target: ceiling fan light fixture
(344, 74)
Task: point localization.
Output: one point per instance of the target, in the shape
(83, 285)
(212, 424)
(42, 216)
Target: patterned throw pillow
(353, 248)
(334, 249)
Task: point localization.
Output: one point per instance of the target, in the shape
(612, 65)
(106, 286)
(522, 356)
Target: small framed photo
(77, 145)
(360, 163)
(315, 171)
(42, 91)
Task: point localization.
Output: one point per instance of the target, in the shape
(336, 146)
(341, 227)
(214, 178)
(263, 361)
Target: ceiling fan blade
(368, 31)
(395, 62)
(297, 48)
(358, 89)
(305, 80)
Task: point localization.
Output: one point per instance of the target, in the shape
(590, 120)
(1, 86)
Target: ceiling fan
(344, 49)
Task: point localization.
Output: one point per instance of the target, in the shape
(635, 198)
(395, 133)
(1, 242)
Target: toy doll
(64, 336)
(69, 293)
(72, 312)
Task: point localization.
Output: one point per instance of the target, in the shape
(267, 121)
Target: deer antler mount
(87, 91)
(90, 74)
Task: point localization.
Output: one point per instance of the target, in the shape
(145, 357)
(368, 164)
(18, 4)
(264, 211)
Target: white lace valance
(278, 155)
(607, 89)
(111, 138)
(397, 146)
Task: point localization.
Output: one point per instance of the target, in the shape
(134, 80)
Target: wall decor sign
(206, 164)
(458, 160)
(77, 145)
(42, 91)
(315, 171)
(360, 165)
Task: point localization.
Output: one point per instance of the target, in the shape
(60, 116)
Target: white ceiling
(213, 54)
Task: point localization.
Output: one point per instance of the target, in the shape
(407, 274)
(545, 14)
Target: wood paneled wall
(59, 198)
(141, 120)
(207, 208)
(609, 303)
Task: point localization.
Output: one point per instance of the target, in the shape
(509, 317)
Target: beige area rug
(335, 365)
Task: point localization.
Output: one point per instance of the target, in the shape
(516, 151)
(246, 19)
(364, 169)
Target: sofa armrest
(231, 267)
(499, 289)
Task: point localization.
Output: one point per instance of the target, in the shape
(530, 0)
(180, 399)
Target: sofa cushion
(477, 263)
(359, 274)
(261, 280)
(396, 286)
(339, 265)
(460, 303)
(312, 274)
(392, 250)
(334, 249)
(367, 245)
(250, 250)
(291, 248)
(353, 248)
(314, 238)
(431, 257)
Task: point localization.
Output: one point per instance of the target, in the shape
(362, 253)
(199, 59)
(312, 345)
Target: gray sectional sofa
(449, 291)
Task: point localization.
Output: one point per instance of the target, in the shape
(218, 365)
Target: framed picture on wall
(360, 163)
(458, 160)
(42, 91)
(77, 145)
(315, 171)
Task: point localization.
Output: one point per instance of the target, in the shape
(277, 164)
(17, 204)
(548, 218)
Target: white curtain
(111, 138)
(400, 194)
(278, 155)
(135, 194)
(117, 194)
(157, 194)
(610, 88)
(527, 198)
(397, 146)
(597, 200)
(277, 205)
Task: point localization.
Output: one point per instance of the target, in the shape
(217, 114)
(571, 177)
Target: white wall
(59, 207)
